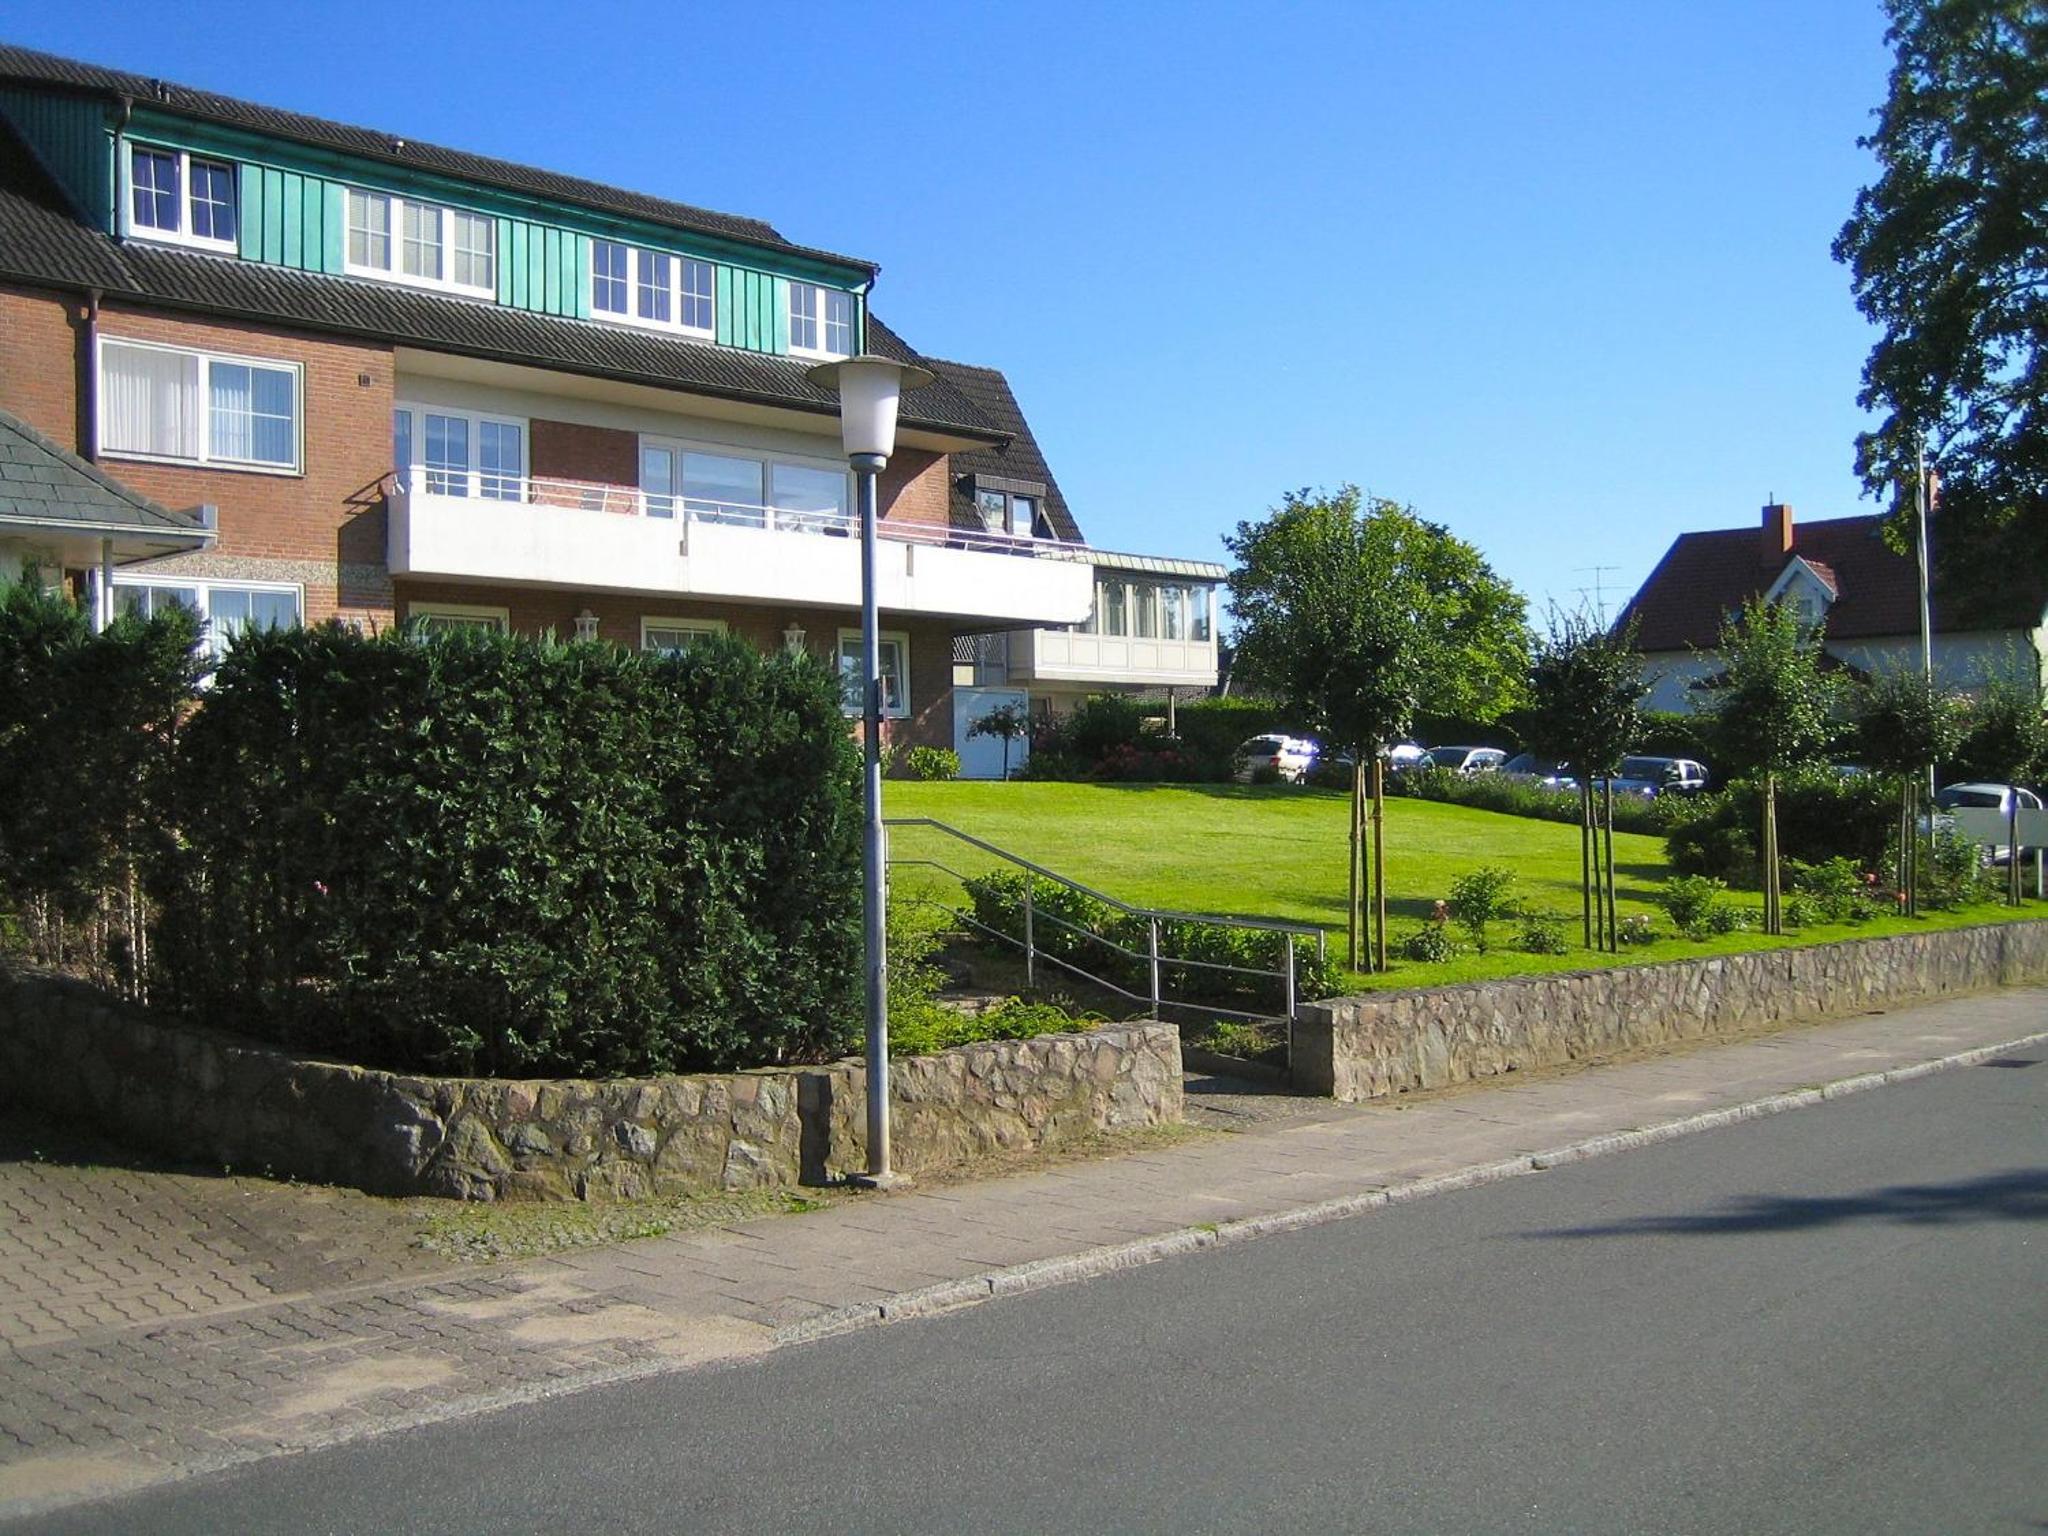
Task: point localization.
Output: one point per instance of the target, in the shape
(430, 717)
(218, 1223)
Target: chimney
(1777, 533)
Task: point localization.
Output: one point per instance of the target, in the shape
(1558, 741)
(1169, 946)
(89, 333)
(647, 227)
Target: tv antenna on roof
(1598, 591)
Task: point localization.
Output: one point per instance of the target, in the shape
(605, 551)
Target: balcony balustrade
(479, 526)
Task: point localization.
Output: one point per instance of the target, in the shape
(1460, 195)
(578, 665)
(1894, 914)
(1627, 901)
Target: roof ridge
(35, 67)
(954, 362)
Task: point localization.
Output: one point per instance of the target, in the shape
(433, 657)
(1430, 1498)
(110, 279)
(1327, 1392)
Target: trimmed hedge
(87, 722)
(1514, 797)
(484, 854)
(1822, 815)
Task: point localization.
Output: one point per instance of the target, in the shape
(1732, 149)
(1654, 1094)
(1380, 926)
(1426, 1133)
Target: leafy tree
(1586, 689)
(1350, 613)
(1949, 254)
(1006, 723)
(2008, 743)
(1773, 710)
(1907, 725)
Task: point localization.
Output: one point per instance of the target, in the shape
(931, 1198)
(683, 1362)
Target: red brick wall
(41, 336)
(930, 722)
(333, 512)
(915, 488)
(565, 451)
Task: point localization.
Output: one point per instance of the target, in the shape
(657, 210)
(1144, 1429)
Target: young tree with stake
(1350, 612)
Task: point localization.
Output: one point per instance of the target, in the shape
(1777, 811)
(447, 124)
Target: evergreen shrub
(486, 854)
(87, 724)
(1822, 815)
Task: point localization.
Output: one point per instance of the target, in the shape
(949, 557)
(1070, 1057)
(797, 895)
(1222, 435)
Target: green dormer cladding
(292, 210)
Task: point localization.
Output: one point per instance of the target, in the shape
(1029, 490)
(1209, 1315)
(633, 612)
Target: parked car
(1467, 760)
(1404, 755)
(1290, 756)
(1985, 797)
(1660, 776)
(1540, 771)
(1981, 797)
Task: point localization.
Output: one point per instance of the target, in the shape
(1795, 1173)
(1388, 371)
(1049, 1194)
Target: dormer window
(656, 289)
(1015, 507)
(177, 196)
(1807, 588)
(423, 245)
(820, 321)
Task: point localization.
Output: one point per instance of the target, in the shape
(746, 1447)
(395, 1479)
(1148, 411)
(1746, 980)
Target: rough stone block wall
(214, 1099)
(1380, 1044)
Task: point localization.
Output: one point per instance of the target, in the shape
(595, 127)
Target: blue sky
(1555, 274)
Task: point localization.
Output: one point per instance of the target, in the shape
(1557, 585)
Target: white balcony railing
(631, 501)
(482, 528)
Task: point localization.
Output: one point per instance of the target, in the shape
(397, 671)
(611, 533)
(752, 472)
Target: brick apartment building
(288, 370)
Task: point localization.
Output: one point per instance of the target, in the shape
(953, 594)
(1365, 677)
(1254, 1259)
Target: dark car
(1543, 772)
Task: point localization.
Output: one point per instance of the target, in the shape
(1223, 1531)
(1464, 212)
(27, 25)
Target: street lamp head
(868, 388)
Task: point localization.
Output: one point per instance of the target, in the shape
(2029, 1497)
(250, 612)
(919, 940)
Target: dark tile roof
(1020, 460)
(40, 242)
(1704, 577)
(29, 67)
(44, 483)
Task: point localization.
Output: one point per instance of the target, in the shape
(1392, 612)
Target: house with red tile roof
(1838, 573)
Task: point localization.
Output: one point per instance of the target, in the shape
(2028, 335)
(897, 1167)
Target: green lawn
(1278, 851)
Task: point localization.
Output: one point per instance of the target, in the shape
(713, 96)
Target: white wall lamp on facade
(869, 389)
(793, 637)
(586, 625)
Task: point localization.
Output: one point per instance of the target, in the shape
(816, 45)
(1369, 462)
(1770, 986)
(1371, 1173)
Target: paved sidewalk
(90, 1405)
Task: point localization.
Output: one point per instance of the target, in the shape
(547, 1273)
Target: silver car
(1467, 760)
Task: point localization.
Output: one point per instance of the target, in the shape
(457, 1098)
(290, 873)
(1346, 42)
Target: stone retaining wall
(1384, 1043)
(215, 1099)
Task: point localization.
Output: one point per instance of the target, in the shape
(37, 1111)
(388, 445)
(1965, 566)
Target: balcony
(1067, 656)
(504, 530)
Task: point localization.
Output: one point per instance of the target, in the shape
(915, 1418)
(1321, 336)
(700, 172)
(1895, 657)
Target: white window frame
(636, 256)
(473, 491)
(888, 637)
(815, 312)
(206, 458)
(698, 627)
(213, 643)
(395, 235)
(679, 446)
(183, 234)
(479, 614)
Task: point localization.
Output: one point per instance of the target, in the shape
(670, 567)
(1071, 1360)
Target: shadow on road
(2019, 1195)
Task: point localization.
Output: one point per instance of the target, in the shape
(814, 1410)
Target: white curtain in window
(232, 406)
(149, 401)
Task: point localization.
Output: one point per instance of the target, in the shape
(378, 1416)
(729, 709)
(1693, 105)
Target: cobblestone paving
(92, 1240)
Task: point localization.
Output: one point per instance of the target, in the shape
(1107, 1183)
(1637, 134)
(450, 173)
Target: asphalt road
(1831, 1320)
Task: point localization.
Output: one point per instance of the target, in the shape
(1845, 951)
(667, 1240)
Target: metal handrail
(1153, 957)
(1103, 939)
(1165, 914)
(1110, 986)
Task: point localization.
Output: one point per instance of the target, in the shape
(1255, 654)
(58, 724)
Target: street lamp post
(869, 388)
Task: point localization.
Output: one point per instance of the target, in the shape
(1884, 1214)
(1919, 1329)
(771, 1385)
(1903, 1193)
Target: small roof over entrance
(55, 506)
